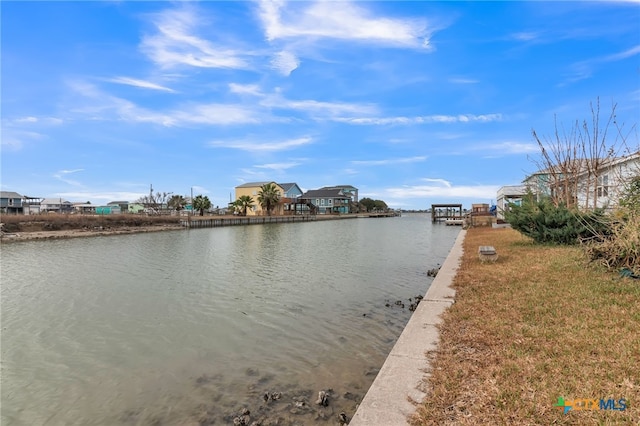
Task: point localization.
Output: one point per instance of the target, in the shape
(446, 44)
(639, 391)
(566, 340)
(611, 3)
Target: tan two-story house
(252, 189)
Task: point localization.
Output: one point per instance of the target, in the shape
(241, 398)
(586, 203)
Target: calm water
(190, 327)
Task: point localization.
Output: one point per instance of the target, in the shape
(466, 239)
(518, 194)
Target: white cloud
(100, 197)
(320, 108)
(388, 161)
(427, 119)
(511, 147)
(633, 51)
(33, 120)
(277, 166)
(257, 146)
(102, 106)
(443, 189)
(340, 20)
(284, 62)
(140, 83)
(584, 69)
(15, 139)
(61, 176)
(443, 182)
(245, 89)
(176, 43)
(215, 114)
(26, 120)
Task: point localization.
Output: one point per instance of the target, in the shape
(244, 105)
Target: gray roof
(9, 194)
(324, 193)
(339, 187)
(287, 186)
(54, 201)
(253, 184)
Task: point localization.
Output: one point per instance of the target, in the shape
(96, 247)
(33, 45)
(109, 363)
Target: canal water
(198, 327)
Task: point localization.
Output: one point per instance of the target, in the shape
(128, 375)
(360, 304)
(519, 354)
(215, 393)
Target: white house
(588, 188)
(509, 194)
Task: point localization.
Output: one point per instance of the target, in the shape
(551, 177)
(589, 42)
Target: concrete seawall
(400, 380)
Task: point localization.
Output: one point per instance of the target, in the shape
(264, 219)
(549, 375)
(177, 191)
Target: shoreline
(399, 386)
(83, 233)
(112, 229)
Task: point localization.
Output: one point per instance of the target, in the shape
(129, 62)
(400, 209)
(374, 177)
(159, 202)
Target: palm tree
(177, 202)
(201, 203)
(268, 197)
(243, 203)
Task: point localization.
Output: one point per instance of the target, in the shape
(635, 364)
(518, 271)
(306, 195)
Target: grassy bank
(537, 325)
(62, 222)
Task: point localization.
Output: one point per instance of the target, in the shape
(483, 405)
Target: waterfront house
(327, 201)
(252, 189)
(57, 205)
(586, 187)
(348, 190)
(10, 202)
(509, 194)
(31, 205)
(289, 200)
(84, 208)
(123, 205)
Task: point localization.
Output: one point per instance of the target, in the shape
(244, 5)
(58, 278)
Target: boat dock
(446, 213)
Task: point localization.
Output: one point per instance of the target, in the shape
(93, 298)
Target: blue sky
(411, 102)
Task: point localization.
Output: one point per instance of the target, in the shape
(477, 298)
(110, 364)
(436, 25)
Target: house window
(603, 186)
(10, 201)
(330, 201)
(322, 202)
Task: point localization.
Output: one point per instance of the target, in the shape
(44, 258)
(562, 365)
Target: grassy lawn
(538, 324)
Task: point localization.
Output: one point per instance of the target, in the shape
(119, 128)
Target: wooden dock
(444, 212)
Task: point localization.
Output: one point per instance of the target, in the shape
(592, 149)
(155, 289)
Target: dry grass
(536, 325)
(59, 222)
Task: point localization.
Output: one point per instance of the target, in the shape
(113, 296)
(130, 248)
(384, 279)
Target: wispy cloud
(340, 20)
(525, 36)
(389, 161)
(106, 196)
(15, 139)
(277, 166)
(245, 89)
(462, 80)
(61, 175)
(427, 119)
(442, 182)
(441, 188)
(176, 43)
(284, 62)
(510, 147)
(258, 146)
(584, 69)
(318, 108)
(140, 83)
(102, 106)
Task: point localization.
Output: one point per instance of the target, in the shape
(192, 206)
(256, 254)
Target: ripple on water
(173, 328)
